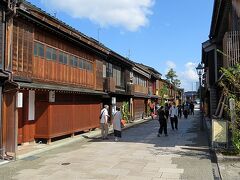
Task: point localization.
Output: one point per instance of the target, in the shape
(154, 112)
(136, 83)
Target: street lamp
(200, 69)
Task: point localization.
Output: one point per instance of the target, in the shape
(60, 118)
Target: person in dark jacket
(186, 111)
(167, 110)
(192, 108)
(180, 111)
(162, 121)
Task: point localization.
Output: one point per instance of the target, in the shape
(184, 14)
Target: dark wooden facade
(139, 105)
(43, 56)
(69, 114)
(221, 50)
(140, 87)
(30, 66)
(37, 54)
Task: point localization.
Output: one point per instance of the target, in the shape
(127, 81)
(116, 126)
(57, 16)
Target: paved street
(139, 155)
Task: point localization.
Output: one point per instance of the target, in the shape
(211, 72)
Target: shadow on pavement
(187, 141)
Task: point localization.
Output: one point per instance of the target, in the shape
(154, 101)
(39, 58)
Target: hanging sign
(51, 96)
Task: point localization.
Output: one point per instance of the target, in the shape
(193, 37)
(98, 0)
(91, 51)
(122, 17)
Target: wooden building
(116, 77)
(144, 90)
(221, 50)
(139, 90)
(8, 88)
(59, 74)
(55, 80)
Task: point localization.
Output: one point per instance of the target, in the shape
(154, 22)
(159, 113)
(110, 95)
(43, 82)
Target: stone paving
(230, 170)
(139, 155)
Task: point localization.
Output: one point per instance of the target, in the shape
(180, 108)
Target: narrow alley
(139, 155)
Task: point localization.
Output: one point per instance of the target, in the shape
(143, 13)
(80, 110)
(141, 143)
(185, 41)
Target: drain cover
(65, 164)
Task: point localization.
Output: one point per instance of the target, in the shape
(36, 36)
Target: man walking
(180, 111)
(162, 121)
(173, 112)
(192, 108)
(104, 121)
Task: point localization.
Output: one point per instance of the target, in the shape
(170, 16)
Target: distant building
(190, 96)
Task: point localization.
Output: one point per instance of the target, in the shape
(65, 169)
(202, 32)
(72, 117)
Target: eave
(120, 59)
(43, 19)
(219, 24)
(59, 88)
(142, 72)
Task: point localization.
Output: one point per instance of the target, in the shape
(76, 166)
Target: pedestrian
(192, 108)
(117, 124)
(162, 121)
(173, 113)
(104, 116)
(167, 110)
(180, 111)
(186, 111)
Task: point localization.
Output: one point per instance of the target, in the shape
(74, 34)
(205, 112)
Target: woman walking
(162, 121)
(117, 124)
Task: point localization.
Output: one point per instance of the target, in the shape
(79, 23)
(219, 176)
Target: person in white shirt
(117, 124)
(104, 122)
(173, 113)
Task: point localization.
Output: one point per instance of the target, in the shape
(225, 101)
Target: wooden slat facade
(1, 37)
(139, 108)
(231, 48)
(9, 121)
(140, 89)
(25, 64)
(26, 128)
(70, 112)
(66, 116)
(62, 117)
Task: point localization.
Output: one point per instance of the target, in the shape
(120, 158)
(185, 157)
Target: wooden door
(20, 125)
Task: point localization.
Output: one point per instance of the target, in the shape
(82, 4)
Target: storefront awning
(59, 88)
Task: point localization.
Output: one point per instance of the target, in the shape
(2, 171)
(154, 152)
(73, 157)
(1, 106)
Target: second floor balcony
(109, 84)
(134, 88)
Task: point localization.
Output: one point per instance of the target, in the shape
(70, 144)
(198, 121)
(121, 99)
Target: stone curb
(78, 138)
(222, 158)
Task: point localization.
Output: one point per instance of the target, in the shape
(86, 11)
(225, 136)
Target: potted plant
(125, 112)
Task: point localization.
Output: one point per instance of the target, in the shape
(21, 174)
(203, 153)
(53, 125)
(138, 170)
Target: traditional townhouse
(138, 88)
(153, 96)
(57, 75)
(116, 77)
(221, 50)
(54, 79)
(7, 11)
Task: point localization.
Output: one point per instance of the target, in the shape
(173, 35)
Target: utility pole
(129, 53)
(192, 91)
(98, 34)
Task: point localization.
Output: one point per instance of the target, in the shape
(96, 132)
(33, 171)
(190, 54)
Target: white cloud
(129, 14)
(190, 71)
(186, 74)
(189, 76)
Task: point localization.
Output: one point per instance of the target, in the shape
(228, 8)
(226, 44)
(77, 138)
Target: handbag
(100, 117)
(122, 123)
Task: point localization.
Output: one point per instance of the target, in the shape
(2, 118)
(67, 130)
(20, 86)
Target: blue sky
(158, 33)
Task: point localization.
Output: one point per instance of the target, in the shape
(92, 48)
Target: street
(139, 155)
